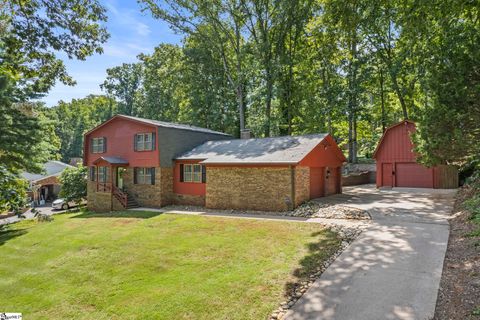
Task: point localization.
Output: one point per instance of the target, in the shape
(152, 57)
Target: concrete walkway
(393, 269)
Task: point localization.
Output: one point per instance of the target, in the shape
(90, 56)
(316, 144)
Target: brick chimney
(245, 134)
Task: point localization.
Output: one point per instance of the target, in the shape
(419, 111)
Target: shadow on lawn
(118, 214)
(8, 234)
(325, 244)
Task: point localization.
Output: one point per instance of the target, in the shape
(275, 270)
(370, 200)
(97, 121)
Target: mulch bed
(459, 294)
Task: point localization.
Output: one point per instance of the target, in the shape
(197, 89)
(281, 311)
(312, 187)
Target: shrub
(74, 183)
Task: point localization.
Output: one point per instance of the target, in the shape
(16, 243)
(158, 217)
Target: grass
(142, 265)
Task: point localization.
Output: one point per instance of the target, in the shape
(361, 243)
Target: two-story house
(141, 162)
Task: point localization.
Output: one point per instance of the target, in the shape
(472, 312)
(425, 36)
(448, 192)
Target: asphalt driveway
(393, 269)
(47, 209)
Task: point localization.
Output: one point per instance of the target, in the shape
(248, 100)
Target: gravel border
(309, 209)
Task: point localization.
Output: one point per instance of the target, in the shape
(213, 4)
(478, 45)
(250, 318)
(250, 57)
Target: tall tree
(161, 92)
(449, 126)
(221, 24)
(123, 83)
(74, 118)
(32, 33)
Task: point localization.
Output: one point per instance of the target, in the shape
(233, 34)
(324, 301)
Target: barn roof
(160, 124)
(385, 133)
(52, 168)
(277, 150)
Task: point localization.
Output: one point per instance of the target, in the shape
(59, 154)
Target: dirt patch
(459, 294)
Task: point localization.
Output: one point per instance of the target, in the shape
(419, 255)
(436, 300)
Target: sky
(131, 32)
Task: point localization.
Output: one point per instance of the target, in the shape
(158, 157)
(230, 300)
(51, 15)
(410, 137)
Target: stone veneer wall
(156, 196)
(166, 178)
(147, 195)
(257, 188)
(98, 201)
(302, 185)
(189, 200)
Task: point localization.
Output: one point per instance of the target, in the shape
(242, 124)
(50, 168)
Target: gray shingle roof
(52, 168)
(113, 160)
(174, 125)
(278, 150)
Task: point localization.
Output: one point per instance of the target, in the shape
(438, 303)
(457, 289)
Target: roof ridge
(173, 124)
(277, 137)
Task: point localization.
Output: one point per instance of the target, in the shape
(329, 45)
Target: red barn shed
(397, 166)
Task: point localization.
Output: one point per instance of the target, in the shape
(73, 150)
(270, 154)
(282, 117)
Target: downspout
(292, 177)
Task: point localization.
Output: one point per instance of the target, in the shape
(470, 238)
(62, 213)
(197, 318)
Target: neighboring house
(397, 166)
(134, 161)
(45, 187)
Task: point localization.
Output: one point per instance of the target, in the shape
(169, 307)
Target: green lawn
(139, 265)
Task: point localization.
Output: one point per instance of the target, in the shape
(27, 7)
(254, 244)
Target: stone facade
(254, 188)
(302, 185)
(155, 196)
(147, 195)
(98, 201)
(166, 181)
(189, 200)
(117, 205)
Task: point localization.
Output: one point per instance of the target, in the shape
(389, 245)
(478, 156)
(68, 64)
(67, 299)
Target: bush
(74, 184)
(13, 191)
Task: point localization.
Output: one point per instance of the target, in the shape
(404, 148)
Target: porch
(108, 176)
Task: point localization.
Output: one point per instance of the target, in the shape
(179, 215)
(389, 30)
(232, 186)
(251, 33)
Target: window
(93, 173)
(144, 176)
(197, 173)
(187, 173)
(99, 145)
(144, 142)
(102, 174)
(192, 173)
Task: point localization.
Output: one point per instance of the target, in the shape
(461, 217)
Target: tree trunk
(241, 108)
(352, 103)
(350, 137)
(240, 93)
(268, 102)
(397, 90)
(382, 98)
(354, 144)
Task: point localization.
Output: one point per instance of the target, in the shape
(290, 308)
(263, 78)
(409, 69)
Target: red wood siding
(120, 134)
(326, 155)
(190, 188)
(397, 167)
(387, 176)
(317, 182)
(331, 156)
(332, 181)
(396, 145)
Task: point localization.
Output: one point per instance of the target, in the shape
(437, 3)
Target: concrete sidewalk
(393, 269)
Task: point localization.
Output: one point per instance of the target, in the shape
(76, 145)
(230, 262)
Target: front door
(120, 178)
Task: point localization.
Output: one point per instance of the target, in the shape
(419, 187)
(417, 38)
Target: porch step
(131, 202)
